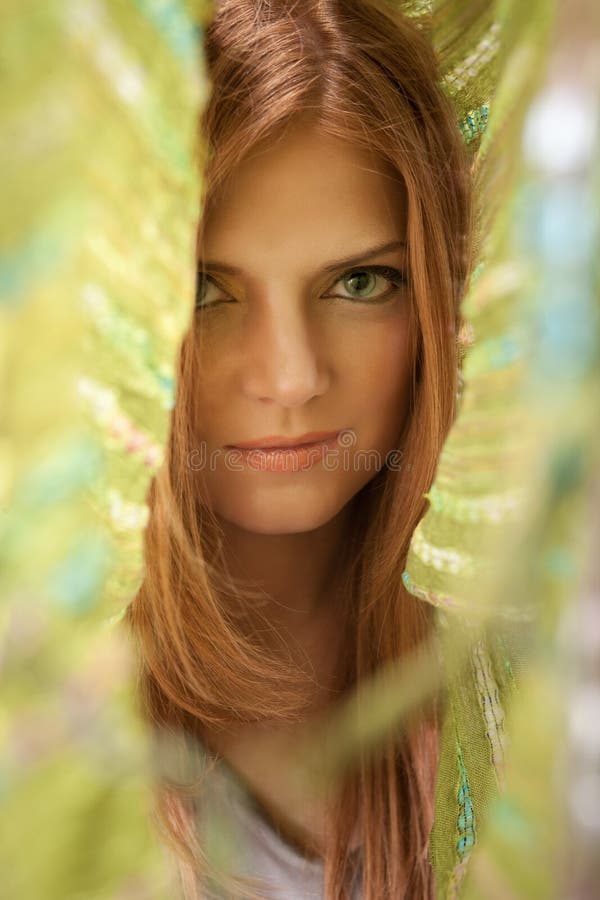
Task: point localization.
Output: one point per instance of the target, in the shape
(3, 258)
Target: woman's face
(303, 326)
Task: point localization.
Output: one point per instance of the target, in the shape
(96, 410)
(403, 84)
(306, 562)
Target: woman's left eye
(361, 283)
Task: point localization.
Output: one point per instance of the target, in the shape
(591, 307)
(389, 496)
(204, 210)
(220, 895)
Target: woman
(333, 252)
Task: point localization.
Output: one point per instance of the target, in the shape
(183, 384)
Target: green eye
(361, 284)
(204, 283)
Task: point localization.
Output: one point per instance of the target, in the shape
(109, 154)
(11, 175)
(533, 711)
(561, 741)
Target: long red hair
(364, 73)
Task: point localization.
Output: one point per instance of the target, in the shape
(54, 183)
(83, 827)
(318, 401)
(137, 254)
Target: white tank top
(253, 847)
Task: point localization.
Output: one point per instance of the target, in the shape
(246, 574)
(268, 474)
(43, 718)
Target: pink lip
(274, 440)
(285, 458)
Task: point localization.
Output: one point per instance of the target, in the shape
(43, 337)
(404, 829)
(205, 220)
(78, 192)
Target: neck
(298, 573)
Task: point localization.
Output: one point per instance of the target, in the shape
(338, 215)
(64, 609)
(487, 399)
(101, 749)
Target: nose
(282, 356)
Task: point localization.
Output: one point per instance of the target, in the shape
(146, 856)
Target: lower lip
(287, 459)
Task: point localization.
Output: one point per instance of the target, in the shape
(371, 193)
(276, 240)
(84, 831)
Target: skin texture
(293, 350)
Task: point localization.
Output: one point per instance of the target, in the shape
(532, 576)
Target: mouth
(289, 458)
(277, 442)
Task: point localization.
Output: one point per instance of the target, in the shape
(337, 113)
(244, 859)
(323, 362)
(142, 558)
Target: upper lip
(277, 440)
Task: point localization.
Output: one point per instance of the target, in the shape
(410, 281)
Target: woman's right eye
(205, 296)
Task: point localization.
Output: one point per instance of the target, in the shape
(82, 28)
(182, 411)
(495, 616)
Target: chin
(267, 516)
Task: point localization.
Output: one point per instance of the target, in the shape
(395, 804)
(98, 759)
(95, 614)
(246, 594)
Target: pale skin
(288, 347)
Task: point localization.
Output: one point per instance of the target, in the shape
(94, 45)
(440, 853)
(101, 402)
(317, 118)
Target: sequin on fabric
(466, 828)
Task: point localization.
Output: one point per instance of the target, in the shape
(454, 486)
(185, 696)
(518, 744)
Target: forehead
(305, 197)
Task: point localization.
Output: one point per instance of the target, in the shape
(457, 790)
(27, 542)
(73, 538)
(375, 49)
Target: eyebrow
(329, 267)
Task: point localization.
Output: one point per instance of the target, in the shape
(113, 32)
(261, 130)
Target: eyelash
(396, 276)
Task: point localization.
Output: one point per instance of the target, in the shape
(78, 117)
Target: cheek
(381, 385)
(210, 404)
(211, 378)
(381, 365)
